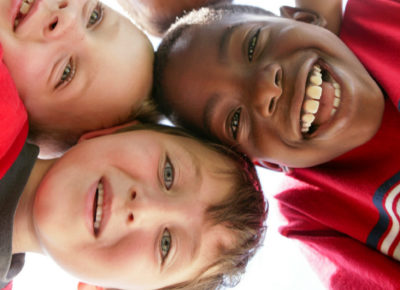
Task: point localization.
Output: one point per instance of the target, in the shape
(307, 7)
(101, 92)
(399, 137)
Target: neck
(24, 234)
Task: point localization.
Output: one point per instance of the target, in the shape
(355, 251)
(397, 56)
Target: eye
(252, 46)
(67, 74)
(235, 122)
(96, 16)
(165, 244)
(168, 174)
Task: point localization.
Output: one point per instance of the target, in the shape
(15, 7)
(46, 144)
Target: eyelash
(235, 122)
(168, 174)
(68, 73)
(97, 13)
(165, 244)
(252, 45)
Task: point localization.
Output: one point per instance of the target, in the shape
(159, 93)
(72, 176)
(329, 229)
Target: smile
(321, 101)
(98, 208)
(26, 6)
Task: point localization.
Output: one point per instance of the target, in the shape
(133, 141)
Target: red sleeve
(8, 287)
(341, 262)
(13, 120)
(371, 29)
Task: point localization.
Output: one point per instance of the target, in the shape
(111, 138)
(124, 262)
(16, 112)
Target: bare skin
(331, 10)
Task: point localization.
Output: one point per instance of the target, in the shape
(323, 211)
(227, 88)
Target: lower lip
(16, 4)
(89, 207)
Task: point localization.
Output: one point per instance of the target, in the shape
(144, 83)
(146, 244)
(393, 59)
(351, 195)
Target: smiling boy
(252, 74)
(77, 65)
(134, 210)
(293, 94)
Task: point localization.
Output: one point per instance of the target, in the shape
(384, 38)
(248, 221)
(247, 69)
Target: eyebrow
(209, 111)
(225, 40)
(189, 256)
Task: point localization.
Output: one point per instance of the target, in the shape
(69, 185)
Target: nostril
(131, 217)
(53, 24)
(63, 4)
(133, 195)
(278, 77)
(271, 105)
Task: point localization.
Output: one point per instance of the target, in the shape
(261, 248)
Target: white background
(278, 265)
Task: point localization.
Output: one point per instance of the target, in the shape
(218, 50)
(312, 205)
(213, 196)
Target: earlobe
(303, 15)
(272, 166)
(106, 131)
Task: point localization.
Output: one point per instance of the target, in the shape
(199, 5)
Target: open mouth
(98, 208)
(321, 101)
(24, 9)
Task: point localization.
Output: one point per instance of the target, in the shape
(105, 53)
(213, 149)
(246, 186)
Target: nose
(268, 89)
(130, 215)
(62, 21)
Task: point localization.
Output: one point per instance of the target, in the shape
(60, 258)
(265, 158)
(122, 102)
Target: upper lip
(32, 10)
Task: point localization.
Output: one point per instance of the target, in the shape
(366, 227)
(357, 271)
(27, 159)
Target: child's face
(244, 80)
(153, 231)
(76, 64)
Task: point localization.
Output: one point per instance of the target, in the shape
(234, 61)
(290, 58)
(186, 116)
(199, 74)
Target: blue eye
(67, 74)
(235, 122)
(96, 16)
(165, 244)
(252, 45)
(168, 174)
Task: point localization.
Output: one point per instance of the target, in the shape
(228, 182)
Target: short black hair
(202, 16)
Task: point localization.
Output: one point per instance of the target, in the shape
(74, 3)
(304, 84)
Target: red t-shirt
(13, 120)
(347, 211)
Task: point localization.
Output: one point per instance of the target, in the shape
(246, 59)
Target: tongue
(325, 103)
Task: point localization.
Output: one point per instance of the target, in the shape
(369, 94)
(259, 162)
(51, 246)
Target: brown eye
(252, 45)
(235, 122)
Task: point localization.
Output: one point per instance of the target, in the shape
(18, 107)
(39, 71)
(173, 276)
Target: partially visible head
(285, 92)
(155, 16)
(150, 208)
(78, 65)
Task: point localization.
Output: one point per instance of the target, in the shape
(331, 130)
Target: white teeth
(308, 118)
(336, 102)
(316, 68)
(99, 208)
(338, 93)
(314, 92)
(24, 9)
(313, 96)
(316, 79)
(311, 106)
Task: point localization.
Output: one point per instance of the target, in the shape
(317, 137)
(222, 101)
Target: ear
(272, 166)
(303, 15)
(106, 131)
(84, 286)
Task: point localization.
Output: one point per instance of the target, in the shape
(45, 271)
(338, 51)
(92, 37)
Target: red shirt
(347, 211)
(13, 120)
